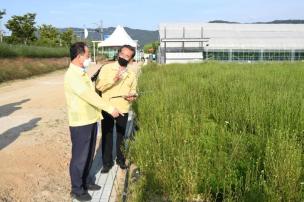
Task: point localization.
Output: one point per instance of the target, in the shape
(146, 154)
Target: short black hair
(131, 48)
(76, 49)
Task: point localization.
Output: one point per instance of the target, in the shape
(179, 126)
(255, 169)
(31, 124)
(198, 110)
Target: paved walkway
(107, 193)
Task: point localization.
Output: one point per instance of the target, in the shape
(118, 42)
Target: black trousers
(83, 149)
(107, 125)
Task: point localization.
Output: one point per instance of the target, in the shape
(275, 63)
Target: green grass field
(9, 51)
(220, 131)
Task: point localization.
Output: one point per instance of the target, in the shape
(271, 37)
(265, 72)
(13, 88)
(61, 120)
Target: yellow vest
(105, 83)
(83, 103)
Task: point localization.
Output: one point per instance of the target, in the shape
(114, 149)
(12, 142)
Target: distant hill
(283, 22)
(143, 36)
(223, 21)
(271, 22)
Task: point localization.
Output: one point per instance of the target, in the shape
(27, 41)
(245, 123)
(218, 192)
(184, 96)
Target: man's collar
(77, 68)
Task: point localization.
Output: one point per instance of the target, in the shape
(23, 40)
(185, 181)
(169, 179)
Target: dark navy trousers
(83, 148)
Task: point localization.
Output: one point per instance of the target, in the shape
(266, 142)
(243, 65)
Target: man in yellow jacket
(117, 84)
(84, 106)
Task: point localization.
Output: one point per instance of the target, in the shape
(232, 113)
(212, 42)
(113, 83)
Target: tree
(22, 27)
(48, 31)
(67, 37)
(48, 35)
(151, 47)
(2, 13)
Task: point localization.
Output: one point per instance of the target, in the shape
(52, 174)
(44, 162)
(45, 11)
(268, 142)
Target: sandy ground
(34, 140)
(35, 143)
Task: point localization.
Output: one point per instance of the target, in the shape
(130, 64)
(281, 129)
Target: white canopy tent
(118, 38)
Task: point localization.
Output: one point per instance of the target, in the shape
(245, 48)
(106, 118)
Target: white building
(188, 42)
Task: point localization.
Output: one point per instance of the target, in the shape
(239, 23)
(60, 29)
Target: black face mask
(122, 62)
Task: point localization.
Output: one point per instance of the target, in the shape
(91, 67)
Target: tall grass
(9, 51)
(220, 131)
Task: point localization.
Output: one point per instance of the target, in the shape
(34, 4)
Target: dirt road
(34, 140)
(35, 143)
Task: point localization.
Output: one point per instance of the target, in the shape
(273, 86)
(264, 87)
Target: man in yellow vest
(84, 106)
(117, 84)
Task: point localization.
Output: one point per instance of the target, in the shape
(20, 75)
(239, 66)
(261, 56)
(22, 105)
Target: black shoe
(85, 196)
(105, 169)
(122, 164)
(92, 187)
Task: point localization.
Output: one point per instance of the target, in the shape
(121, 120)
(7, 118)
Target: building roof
(235, 36)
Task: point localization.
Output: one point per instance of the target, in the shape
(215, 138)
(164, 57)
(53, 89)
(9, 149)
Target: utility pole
(101, 31)
(1, 32)
(1, 36)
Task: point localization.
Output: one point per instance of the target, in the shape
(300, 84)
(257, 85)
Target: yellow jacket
(83, 103)
(127, 85)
